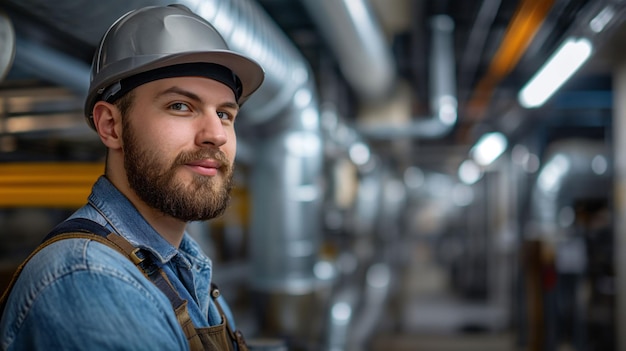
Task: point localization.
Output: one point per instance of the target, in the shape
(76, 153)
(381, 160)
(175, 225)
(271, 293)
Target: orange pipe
(524, 25)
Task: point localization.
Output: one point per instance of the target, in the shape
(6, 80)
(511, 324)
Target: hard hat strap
(199, 69)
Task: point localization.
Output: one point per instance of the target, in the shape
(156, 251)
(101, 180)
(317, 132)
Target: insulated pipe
(285, 232)
(287, 201)
(249, 30)
(352, 32)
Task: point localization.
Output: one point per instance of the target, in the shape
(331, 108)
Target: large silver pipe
(249, 30)
(285, 232)
(353, 33)
(287, 200)
(351, 30)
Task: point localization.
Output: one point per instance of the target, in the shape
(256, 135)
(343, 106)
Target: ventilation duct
(351, 30)
(353, 33)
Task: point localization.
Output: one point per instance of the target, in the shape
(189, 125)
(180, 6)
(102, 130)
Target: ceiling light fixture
(568, 58)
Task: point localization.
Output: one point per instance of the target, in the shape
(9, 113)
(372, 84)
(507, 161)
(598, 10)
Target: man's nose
(212, 131)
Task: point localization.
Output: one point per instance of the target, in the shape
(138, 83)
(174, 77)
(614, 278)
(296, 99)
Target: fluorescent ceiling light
(488, 148)
(570, 56)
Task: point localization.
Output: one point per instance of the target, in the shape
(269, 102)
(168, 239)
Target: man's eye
(224, 115)
(179, 106)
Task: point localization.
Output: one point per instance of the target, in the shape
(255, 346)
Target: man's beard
(156, 184)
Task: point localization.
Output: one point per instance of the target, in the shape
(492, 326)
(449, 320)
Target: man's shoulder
(68, 264)
(82, 277)
(64, 263)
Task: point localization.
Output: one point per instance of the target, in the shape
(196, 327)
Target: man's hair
(124, 103)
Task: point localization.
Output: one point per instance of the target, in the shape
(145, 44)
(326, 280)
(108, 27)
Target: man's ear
(108, 122)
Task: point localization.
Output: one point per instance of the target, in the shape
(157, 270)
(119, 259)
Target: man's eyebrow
(180, 91)
(233, 105)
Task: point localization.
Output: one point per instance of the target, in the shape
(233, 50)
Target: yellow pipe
(57, 185)
(68, 184)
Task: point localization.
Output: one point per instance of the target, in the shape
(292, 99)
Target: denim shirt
(78, 294)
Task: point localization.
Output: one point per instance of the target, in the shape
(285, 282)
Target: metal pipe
(352, 32)
(443, 96)
(52, 65)
(287, 201)
(477, 40)
(569, 164)
(7, 40)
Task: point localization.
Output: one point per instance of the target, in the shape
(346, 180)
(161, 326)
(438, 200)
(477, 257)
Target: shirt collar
(126, 220)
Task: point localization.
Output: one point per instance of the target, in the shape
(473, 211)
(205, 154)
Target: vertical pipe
(442, 91)
(285, 232)
(619, 139)
(7, 44)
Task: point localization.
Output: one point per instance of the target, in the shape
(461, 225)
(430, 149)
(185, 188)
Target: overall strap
(82, 225)
(235, 335)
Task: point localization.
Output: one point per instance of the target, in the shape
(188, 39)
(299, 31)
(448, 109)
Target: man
(164, 94)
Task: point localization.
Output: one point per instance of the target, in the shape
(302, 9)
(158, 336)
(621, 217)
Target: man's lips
(205, 167)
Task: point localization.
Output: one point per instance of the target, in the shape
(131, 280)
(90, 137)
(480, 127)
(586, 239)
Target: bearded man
(164, 95)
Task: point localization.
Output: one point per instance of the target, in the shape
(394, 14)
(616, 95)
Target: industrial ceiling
(497, 46)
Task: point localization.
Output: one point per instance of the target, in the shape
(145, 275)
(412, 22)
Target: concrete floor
(444, 342)
(428, 317)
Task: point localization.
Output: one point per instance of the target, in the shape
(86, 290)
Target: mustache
(191, 156)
